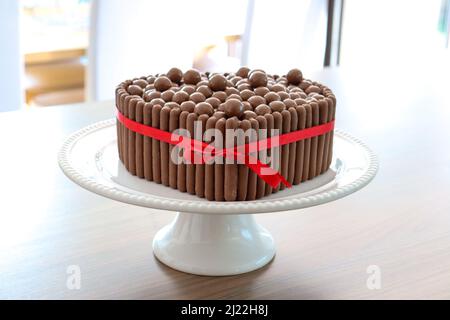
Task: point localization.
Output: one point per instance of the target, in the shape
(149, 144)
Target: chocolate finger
(314, 141)
(156, 153)
(132, 138)
(300, 156)
(276, 152)
(125, 133)
(231, 169)
(182, 173)
(245, 125)
(174, 123)
(190, 167)
(327, 137)
(323, 117)
(292, 146)
(209, 167)
(252, 177)
(307, 154)
(164, 146)
(199, 167)
(140, 141)
(262, 155)
(286, 118)
(270, 126)
(219, 164)
(148, 158)
(333, 117)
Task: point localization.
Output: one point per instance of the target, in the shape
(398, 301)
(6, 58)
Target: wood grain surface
(400, 222)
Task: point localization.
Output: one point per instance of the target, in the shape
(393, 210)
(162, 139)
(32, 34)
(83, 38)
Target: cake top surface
(245, 94)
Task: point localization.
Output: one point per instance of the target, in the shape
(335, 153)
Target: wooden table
(399, 223)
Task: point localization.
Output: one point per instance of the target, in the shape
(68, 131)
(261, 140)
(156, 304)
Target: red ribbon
(266, 173)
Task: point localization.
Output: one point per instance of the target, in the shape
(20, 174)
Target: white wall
(136, 38)
(11, 93)
(288, 34)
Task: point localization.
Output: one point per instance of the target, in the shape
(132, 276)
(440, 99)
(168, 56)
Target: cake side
(250, 101)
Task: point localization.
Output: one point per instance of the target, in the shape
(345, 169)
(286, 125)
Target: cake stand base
(214, 244)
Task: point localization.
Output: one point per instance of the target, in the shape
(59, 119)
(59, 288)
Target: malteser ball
(277, 106)
(278, 88)
(272, 96)
(234, 96)
(294, 77)
(261, 91)
(172, 105)
(202, 83)
(204, 108)
(246, 94)
(167, 95)
(262, 109)
(233, 108)
(221, 95)
(175, 74)
(247, 106)
(192, 77)
(230, 90)
(305, 84)
(205, 90)
(243, 72)
(141, 83)
(258, 79)
(249, 115)
(180, 96)
(312, 88)
(214, 102)
(256, 101)
(197, 97)
(151, 94)
(188, 88)
(188, 106)
(289, 103)
(163, 84)
(158, 101)
(244, 86)
(283, 95)
(135, 90)
(219, 114)
(218, 82)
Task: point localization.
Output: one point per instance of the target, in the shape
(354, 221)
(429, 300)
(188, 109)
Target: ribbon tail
(273, 179)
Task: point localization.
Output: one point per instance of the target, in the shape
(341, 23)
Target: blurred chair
(135, 38)
(11, 68)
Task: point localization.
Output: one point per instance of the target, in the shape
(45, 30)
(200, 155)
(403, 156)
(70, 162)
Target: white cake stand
(209, 238)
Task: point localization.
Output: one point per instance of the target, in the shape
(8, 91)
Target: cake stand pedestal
(209, 238)
(208, 244)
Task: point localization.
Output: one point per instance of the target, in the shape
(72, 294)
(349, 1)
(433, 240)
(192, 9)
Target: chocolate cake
(247, 99)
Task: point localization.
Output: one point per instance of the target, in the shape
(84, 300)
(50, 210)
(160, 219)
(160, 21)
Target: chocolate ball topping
(175, 75)
(135, 90)
(233, 108)
(247, 95)
(180, 96)
(204, 108)
(192, 77)
(218, 82)
(243, 72)
(262, 109)
(258, 79)
(294, 77)
(163, 83)
(141, 83)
